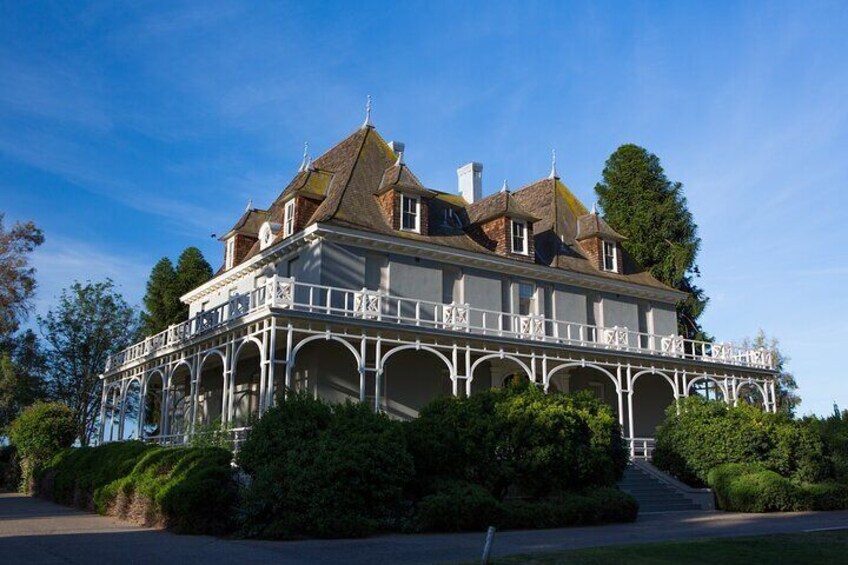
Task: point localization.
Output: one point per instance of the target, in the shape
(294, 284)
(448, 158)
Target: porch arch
(648, 401)
(326, 367)
(706, 379)
(513, 358)
(246, 378)
(209, 406)
(578, 364)
(403, 393)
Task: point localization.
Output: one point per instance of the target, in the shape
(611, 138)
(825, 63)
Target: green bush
(752, 488)
(706, 434)
(457, 507)
(10, 467)
(188, 490)
(826, 496)
(517, 439)
(38, 433)
(321, 470)
(833, 431)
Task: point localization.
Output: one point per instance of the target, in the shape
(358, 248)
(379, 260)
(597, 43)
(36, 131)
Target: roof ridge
(330, 215)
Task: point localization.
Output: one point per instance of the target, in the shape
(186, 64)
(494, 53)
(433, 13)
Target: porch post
(272, 366)
(142, 407)
(468, 376)
(123, 412)
(620, 390)
(289, 360)
(363, 363)
(454, 371)
(194, 370)
(630, 418)
(773, 388)
(102, 432)
(378, 375)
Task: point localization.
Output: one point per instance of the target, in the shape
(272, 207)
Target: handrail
(287, 293)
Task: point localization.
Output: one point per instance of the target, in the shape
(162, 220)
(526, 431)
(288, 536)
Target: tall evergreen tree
(640, 202)
(192, 271)
(161, 301)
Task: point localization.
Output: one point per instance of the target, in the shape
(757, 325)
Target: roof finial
(553, 174)
(505, 187)
(368, 123)
(249, 205)
(307, 160)
(399, 161)
(594, 208)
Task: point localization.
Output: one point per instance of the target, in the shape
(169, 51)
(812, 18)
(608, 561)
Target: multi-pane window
(410, 216)
(230, 253)
(519, 237)
(288, 218)
(526, 298)
(610, 257)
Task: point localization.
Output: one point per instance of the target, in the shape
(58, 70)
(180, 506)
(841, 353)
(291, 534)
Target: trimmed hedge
(746, 487)
(187, 490)
(706, 434)
(38, 433)
(460, 507)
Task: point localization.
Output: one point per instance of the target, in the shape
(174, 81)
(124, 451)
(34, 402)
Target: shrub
(38, 433)
(517, 438)
(826, 496)
(458, 506)
(706, 434)
(833, 432)
(752, 488)
(188, 490)
(10, 467)
(321, 470)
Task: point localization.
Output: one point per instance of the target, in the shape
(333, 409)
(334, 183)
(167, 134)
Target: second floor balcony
(378, 307)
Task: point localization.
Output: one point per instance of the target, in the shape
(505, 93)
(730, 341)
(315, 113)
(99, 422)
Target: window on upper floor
(288, 218)
(410, 213)
(610, 256)
(526, 298)
(230, 253)
(519, 237)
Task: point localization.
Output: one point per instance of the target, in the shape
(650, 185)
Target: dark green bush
(40, 432)
(188, 490)
(833, 431)
(706, 434)
(321, 470)
(458, 507)
(10, 468)
(517, 439)
(752, 488)
(826, 496)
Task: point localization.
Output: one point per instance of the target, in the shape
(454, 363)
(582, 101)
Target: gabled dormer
(600, 242)
(292, 211)
(404, 201)
(242, 236)
(499, 223)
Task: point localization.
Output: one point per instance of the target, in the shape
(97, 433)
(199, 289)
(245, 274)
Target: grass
(807, 548)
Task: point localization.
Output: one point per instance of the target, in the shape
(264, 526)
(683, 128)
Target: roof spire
(553, 174)
(399, 161)
(505, 187)
(594, 209)
(307, 160)
(249, 205)
(367, 123)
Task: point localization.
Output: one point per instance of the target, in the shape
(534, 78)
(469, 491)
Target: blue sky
(129, 131)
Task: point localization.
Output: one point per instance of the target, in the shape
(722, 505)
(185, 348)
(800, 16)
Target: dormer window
(519, 237)
(230, 253)
(288, 218)
(410, 213)
(610, 256)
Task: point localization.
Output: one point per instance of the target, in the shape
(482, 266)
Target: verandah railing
(287, 293)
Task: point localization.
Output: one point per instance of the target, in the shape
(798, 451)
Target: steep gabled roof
(592, 225)
(249, 223)
(497, 205)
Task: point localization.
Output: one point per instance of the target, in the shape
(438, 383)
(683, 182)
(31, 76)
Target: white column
(272, 366)
(142, 407)
(102, 433)
(619, 389)
(194, 369)
(363, 362)
(632, 430)
(378, 375)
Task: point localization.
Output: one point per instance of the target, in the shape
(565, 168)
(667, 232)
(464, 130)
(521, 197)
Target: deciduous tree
(640, 202)
(786, 389)
(90, 322)
(17, 276)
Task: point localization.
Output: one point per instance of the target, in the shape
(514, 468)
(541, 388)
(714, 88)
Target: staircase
(653, 494)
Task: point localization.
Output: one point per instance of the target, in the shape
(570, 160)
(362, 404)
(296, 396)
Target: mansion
(359, 282)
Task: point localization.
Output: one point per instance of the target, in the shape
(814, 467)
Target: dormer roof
(248, 224)
(592, 225)
(498, 205)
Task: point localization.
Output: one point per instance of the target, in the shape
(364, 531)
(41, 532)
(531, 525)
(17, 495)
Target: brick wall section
(389, 203)
(496, 235)
(594, 249)
(304, 208)
(242, 246)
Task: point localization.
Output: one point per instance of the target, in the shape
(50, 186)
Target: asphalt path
(35, 531)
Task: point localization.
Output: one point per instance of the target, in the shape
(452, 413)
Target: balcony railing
(286, 293)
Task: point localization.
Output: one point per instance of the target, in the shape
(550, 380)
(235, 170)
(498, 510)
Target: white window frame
(523, 250)
(533, 310)
(613, 255)
(288, 218)
(230, 253)
(417, 200)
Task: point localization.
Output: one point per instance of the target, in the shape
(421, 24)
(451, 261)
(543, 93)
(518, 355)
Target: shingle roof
(349, 175)
(249, 223)
(592, 225)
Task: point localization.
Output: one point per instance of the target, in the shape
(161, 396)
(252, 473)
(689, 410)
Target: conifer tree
(161, 301)
(640, 202)
(192, 271)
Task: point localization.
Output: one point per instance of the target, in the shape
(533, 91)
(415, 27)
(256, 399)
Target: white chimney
(471, 181)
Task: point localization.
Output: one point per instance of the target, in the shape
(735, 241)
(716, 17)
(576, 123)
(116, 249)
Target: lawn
(809, 549)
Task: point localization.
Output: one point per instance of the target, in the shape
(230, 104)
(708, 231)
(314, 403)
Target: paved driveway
(34, 531)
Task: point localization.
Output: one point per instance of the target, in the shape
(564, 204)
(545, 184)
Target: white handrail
(282, 292)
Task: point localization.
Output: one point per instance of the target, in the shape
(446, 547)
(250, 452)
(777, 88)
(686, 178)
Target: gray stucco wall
(418, 280)
(483, 290)
(665, 319)
(342, 267)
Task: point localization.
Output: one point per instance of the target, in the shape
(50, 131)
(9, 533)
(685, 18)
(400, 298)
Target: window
(526, 298)
(230, 253)
(410, 216)
(288, 218)
(610, 257)
(519, 237)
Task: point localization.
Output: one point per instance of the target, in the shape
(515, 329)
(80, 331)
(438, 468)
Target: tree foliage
(17, 276)
(90, 322)
(640, 202)
(22, 376)
(786, 388)
(41, 431)
(165, 286)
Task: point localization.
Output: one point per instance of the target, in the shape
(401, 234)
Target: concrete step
(653, 494)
